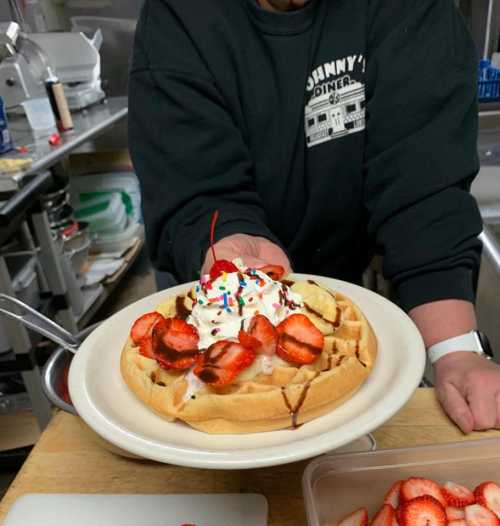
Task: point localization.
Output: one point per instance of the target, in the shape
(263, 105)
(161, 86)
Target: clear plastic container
(104, 214)
(40, 116)
(334, 486)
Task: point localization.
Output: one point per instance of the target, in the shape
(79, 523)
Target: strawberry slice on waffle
(142, 330)
(261, 336)
(175, 343)
(299, 341)
(222, 362)
(275, 272)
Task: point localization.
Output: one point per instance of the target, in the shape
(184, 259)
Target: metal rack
(24, 204)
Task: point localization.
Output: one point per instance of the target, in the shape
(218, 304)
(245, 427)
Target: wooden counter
(68, 459)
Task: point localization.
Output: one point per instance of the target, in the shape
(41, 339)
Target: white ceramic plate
(105, 403)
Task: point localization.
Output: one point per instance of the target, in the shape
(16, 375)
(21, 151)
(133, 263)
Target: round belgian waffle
(290, 396)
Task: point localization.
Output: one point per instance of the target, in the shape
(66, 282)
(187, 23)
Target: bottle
(33, 13)
(5, 137)
(58, 101)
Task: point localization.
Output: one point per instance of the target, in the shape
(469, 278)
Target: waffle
(288, 397)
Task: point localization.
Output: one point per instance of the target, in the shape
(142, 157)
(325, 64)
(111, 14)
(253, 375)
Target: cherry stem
(215, 216)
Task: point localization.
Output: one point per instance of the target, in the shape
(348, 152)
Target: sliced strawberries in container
(393, 495)
(418, 487)
(356, 518)
(457, 495)
(454, 514)
(477, 515)
(385, 516)
(488, 495)
(422, 511)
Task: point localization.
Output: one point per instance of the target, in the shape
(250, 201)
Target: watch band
(470, 342)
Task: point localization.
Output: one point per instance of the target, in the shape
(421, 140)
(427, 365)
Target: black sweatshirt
(339, 130)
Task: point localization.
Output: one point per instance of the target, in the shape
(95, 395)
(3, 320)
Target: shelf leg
(50, 258)
(21, 345)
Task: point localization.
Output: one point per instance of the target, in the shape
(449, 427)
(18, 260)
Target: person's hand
(468, 387)
(256, 252)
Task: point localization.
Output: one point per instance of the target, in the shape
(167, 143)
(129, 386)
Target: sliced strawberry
(220, 266)
(422, 511)
(477, 515)
(395, 521)
(143, 327)
(488, 495)
(247, 340)
(458, 522)
(416, 487)
(457, 496)
(265, 333)
(299, 342)
(392, 496)
(454, 514)
(356, 518)
(146, 348)
(385, 516)
(222, 362)
(175, 343)
(275, 272)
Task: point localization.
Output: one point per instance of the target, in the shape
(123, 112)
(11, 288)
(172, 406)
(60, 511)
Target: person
(324, 131)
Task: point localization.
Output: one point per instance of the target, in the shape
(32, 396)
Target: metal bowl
(55, 376)
(55, 380)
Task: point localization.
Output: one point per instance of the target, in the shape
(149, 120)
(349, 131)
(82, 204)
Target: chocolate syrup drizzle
(238, 294)
(181, 310)
(357, 355)
(294, 411)
(335, 323)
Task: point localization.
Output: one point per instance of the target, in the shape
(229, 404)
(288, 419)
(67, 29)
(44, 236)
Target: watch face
(485, 344)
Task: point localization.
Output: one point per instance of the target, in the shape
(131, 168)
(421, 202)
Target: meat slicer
(25, 58)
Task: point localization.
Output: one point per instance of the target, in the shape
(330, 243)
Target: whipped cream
(227, 304)
(194, 384)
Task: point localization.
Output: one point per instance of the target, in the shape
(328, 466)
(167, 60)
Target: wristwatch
(473, 341)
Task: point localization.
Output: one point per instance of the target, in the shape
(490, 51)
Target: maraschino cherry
(221, 265)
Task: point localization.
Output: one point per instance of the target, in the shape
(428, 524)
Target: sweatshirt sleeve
(190, 157)
(420, 156)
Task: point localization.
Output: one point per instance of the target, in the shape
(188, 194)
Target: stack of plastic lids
(489, 82)
(111, 204)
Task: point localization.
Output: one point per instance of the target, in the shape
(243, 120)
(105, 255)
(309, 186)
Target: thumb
(456, 406)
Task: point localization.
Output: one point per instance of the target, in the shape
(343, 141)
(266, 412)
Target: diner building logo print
(337, 104)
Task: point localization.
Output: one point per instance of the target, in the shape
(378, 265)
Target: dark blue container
(5, 138)
(489, 82)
